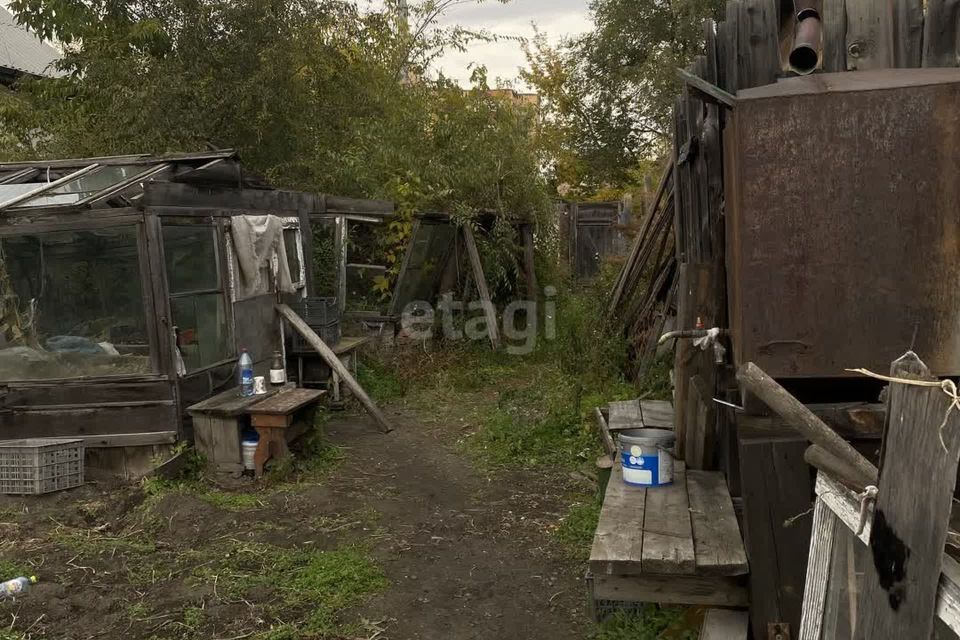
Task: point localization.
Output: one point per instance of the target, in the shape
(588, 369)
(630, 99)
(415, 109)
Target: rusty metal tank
(843, 222)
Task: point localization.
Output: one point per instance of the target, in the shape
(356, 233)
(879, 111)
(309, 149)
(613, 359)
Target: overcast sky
(555, 18)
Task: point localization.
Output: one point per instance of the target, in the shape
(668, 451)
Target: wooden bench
(677, 544)
(639, 414)
(273, 419)
(347, 350)
(217, 422)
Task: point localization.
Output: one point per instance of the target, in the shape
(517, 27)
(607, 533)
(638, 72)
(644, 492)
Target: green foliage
(608, 94)
(652, 623)
(320, 96)
(10, 569)
(379, 380)
(576, 530)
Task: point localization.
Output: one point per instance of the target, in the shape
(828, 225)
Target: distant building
(531, 99)
(22, 53)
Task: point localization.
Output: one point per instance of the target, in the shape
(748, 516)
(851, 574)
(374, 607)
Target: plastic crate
(329, 333)
(40, 465)
(317, 311)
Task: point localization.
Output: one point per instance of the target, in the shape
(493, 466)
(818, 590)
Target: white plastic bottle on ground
(16, 587)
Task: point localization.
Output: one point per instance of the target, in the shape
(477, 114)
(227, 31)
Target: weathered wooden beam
(709, 92)
(828, 463)
(941, 35)
(333, 361)
(753, 379)
(477, 266)
(912, 513)
(869, 35)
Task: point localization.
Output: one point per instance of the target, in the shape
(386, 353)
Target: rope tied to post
(948, 387)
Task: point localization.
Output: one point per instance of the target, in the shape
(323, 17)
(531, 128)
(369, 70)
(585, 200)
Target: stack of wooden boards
(676, 544)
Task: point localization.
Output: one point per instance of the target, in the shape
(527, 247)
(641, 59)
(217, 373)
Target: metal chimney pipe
(808, 42)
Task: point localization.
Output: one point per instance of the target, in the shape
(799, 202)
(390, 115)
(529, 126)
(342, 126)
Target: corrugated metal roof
(23, 51)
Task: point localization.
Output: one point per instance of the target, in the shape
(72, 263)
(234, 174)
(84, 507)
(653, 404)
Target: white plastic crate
(40, 465)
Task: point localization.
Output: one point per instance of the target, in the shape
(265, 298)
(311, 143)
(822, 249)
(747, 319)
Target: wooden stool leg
(262, 454)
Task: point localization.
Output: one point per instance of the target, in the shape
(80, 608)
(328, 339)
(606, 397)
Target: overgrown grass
(308, 588)
(575, 533)
(379, 380)
(652, 623)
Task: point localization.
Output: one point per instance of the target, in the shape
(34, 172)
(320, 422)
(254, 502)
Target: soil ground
(466, 552)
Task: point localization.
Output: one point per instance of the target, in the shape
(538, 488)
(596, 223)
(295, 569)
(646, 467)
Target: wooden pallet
(678, 544)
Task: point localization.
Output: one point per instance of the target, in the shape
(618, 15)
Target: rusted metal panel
(843, 199)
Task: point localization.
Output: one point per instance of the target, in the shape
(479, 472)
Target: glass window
(197, 301)
(201, 329)
(86, 185)
(72, 305)
(291, 242)
(191, 256)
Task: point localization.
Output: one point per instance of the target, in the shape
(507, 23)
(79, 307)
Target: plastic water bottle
(246, 373)
(16, 587)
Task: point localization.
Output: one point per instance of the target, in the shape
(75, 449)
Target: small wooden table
(216, 426)
(273, 417)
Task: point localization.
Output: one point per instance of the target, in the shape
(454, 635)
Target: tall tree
(609, 93)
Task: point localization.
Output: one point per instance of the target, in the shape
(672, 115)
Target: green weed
(319, 585)
(379, 380)
(576, 530)
(653, 623)
(10, 569)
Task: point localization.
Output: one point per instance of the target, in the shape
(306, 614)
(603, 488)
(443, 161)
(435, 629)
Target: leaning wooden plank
(604, 430)
(708, 91)
(477, 266)
(825, 461)
(716, 534)
(912, 512)
(941, 35)
(869, 35)
(334, 363)
(618, 542)
(724, 624)
(753, 379)
(818, 571)
(667, 532)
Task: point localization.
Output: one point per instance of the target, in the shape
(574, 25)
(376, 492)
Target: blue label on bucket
(645, 470)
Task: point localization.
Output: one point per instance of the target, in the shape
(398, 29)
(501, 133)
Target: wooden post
(477, 266)
(334, 363)
(912, 512)
(340, 242)
(753, 379)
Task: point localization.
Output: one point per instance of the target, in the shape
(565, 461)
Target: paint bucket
(645, 455)
(248, 447)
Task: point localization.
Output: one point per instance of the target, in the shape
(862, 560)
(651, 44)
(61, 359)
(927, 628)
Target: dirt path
(467, 554)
